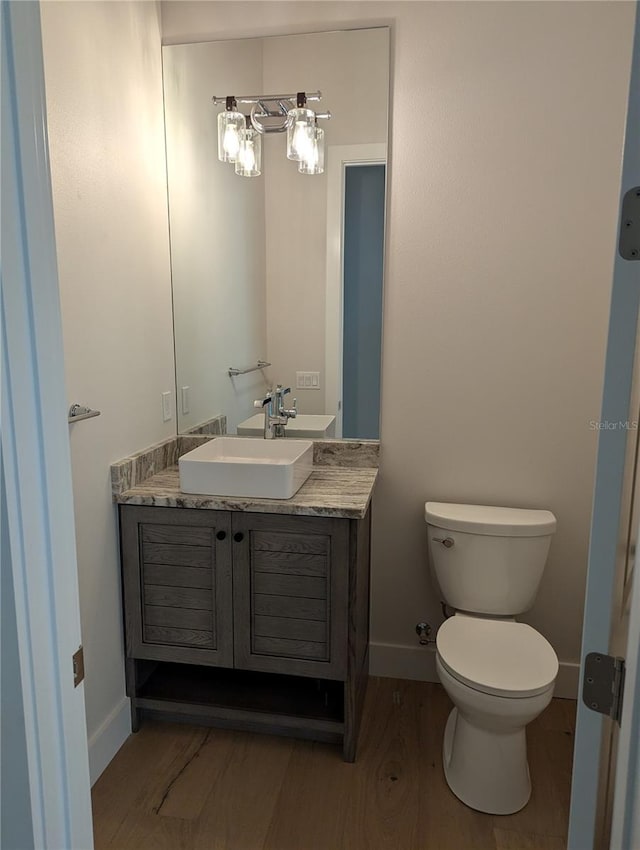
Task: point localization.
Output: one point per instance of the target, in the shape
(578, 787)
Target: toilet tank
(488, 560)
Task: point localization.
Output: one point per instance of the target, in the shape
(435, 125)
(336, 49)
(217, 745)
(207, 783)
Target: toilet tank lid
(486, 519)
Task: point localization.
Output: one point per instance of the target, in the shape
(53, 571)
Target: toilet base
(487, 770)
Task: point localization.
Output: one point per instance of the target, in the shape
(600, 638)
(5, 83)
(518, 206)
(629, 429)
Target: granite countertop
(337, 491)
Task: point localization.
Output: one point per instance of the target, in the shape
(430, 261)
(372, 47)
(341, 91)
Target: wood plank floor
(174, 787)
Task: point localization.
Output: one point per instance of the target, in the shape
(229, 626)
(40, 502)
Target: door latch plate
(629, 243)
(78, 667)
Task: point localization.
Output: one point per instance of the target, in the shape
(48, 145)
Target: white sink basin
(237, 466)
(307, 425)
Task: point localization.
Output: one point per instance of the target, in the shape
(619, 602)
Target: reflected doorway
(363, 264)
(356, 200)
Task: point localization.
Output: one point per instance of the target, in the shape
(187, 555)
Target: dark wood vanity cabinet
(291, 584)
(247, 620)
(177, 583)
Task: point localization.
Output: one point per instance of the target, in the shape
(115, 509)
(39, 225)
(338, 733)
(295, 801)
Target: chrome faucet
(276, 415)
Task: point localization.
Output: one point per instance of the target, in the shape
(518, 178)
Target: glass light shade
(249, 161)
(313, 163)
(230, 125)
(302, 122)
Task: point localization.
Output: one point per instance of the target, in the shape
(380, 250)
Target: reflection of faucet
(275, 414)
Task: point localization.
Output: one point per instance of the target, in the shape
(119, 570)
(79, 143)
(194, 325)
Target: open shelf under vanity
(241, 699)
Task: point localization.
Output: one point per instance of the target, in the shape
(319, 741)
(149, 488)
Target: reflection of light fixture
(239, 137)
(312, 161)
(230, 123)
(249, 161)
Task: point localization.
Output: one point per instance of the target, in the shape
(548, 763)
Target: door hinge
(603, 686)
(78, 666)
(629, 242)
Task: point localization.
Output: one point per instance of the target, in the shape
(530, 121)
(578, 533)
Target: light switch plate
(166, 407)
(307, 380)
(185, 399)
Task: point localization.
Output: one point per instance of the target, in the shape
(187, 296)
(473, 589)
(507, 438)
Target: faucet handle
(260, 402)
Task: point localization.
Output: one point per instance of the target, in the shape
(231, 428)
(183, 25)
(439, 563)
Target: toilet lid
(499, 657)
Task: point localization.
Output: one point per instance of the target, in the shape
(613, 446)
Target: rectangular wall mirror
(285, 267)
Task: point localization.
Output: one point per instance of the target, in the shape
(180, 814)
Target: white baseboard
(567, 681)
(396, 661)
(108, 738)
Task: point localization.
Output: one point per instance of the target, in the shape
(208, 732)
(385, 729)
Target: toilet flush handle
(446, 541)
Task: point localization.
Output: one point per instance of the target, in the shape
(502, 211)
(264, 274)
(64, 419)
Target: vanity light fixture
(240, 136)
(230, 124)
(249, 160)
(312, 161)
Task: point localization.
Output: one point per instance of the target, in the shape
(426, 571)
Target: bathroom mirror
(286, 267)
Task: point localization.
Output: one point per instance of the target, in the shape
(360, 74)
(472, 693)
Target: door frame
(339, 157)
(625, 301)
(35, 447)
(625, 821)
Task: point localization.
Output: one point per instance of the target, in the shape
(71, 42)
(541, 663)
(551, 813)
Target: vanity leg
(135, 716)
(355, 689)
(349, 748)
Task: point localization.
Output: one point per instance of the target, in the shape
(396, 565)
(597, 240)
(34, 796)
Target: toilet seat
(499, 657)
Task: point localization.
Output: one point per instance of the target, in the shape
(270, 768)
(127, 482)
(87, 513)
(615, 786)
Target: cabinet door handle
(238, 537)
(221, 535)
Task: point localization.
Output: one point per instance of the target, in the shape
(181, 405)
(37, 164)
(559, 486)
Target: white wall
(217, 235)
(351, 69)
(506, 134)
(104, 101)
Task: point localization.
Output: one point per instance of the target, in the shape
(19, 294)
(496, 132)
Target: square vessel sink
(245, 466)
(309, 426)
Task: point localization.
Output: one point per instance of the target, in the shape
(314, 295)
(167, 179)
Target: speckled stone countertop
(336, 491)
(341, 484)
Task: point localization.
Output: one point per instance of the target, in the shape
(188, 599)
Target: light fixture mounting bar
(256, 98)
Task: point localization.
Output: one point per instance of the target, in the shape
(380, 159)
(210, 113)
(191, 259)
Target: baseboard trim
(568, 680)
(108, 738)
(396, 661)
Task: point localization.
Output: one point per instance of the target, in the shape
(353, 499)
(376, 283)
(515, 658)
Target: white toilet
(498, 673)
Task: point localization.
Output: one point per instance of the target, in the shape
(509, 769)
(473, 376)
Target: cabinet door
(177, 584)
(290, 583)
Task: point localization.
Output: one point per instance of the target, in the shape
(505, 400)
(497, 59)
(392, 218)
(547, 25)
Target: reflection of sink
(233, 466)
(308, 425)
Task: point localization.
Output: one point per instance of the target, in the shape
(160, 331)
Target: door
(622, 598)
(176, 575)
(602, 794)
(290, 589)
(37, 470)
